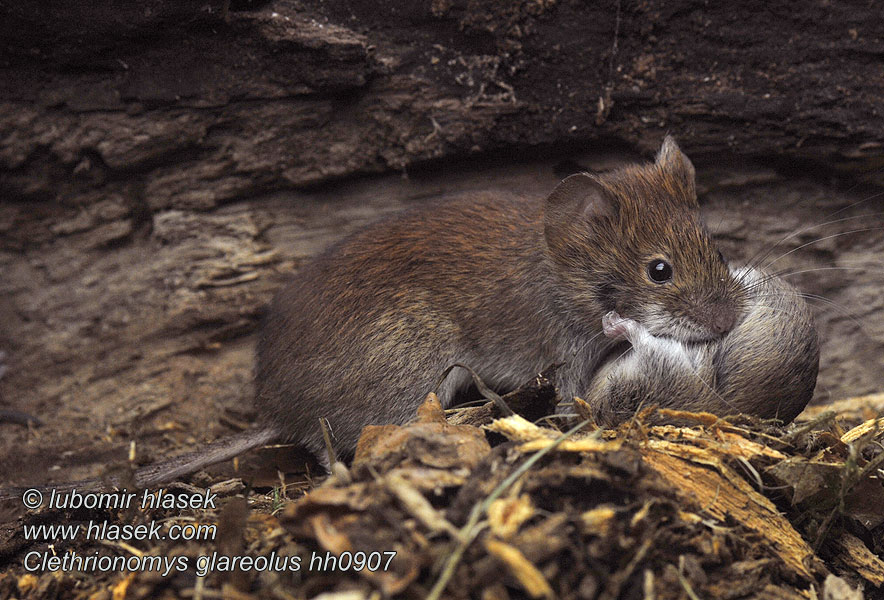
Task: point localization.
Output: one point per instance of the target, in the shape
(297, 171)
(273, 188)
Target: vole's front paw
(616, 327)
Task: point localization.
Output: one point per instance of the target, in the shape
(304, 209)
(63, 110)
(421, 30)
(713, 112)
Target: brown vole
(765, 366)
(504, 284)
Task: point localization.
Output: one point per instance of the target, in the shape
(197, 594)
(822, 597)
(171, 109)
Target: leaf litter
(479, 505)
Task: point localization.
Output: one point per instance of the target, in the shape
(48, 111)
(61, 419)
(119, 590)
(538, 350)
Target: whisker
(834, 305)
(752, 260)
(845, 312)
(786, 273)
(828, 237)
(777, 309)
(579, 350)
(622, 354)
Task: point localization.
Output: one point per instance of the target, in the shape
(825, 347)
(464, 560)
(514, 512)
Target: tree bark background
(164, 165)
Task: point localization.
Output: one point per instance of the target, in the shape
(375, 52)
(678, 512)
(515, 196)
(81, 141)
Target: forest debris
(720, 442)
(122, 586)
(506, 515)
(535, 438)
(872, 426)
(430, 441)
(807, 478)
(835, 588)
(417, 505)
(858, 407)
(328, 535)
(827, 486)
(355, 497)
(518, 429)
(596, 514)
(333, 536)
(345, 595)
(689, 418)
(856, 555)
(599, 521)
(26, 583)
(531, 579)
(533, 400)
(723, 498)
(581, 445)
(584, 412)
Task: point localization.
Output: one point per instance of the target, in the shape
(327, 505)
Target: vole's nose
(723, 318)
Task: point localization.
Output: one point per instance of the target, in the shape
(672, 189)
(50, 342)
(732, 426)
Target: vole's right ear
(577, 200)
(578, 196)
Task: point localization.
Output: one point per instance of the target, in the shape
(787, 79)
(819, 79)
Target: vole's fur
(506, 285)
(766, 366)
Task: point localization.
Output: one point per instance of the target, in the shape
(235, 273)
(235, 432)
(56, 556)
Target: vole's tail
(223, 449)
(164, 471)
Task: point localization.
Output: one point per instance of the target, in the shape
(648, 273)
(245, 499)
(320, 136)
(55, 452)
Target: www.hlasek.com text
(103, 530)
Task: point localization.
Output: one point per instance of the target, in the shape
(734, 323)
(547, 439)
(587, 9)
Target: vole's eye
(721, 257)
(659, 271)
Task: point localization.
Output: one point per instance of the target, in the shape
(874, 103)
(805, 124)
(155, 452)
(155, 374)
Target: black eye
(659, 271)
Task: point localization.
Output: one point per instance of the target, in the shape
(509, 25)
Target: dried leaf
(506, 515)
(872, 426)
(531, 579)
(429, 441)
(807, 478)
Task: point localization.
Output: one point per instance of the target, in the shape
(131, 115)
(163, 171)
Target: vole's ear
(677, 167)
(576, 200)
(579, 195)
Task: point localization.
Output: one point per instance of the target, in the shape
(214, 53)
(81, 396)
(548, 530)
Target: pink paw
(616, 327)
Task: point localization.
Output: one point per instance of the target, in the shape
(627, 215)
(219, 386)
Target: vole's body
(765, 366)
(504, 284)
(366, 330)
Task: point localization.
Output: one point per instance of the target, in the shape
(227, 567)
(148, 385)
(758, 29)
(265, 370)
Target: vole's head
(632, 241)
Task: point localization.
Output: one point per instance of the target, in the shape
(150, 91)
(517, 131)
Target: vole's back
(364, 332)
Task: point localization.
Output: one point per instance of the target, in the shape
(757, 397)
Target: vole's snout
(722, 317)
